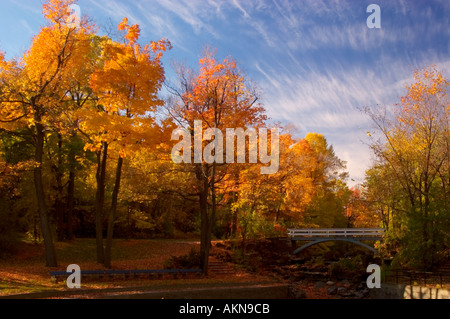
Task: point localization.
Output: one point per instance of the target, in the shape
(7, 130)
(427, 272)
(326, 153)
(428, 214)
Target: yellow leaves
(162, 45)
(127, 85)
(2, 60)
(219, 88)
(123, 25)
(132, 33)
(57, 10)
(159, 47)
(422, 99)
(58, 55)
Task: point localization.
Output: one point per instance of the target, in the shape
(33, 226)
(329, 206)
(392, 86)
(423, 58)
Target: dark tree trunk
(60, 207)
(99, 200)
(204, 245)
(205, 241)
(112, 214)
(70, 200)
(50, 254)
(70, 203)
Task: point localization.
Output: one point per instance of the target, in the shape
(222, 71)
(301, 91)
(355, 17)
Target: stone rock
(319, 284)
(330, 283)
(345, 283)
(362, 285)
(297, 293)
(341, 290)
(365, 292)
(332, 290)
(345, 292)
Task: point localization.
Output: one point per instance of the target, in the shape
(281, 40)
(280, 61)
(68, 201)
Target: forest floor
(26, 273)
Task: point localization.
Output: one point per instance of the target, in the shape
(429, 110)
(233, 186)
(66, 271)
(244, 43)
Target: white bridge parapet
(351, 233)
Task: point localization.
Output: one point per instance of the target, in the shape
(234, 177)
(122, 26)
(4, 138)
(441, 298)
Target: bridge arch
(351, 235)
(317, 241)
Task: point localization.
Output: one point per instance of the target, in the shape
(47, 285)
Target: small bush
(192, 260)
(316, 264)
(251, 261)
(347, 268)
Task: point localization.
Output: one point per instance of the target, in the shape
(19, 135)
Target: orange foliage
(127, 85)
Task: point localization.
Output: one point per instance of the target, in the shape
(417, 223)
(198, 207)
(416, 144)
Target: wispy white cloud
(26, 5)
(195, 13)
(26, 26)
(116, 10)
(318, 25)
(239, 6)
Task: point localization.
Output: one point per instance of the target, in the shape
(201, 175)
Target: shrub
(316, 263)
(347, 268)
(192, 260)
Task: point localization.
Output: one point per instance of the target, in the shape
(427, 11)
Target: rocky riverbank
(309, 276)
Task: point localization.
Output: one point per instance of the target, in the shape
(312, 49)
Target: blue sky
(315, 61)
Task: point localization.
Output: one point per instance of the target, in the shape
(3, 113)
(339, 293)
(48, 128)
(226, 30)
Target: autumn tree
(308, 190)
(314, 189)
(360, 210)
(263, 196)
(126, 85)
(414, 148)
(328, 175)
(216, 98)
(35, 86)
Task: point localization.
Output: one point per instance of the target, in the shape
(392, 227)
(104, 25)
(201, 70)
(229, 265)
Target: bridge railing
(336, 233)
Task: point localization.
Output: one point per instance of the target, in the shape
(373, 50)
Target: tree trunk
(202, 177)
(70, 200)
(99, 200)
(70, 203)
(212, 217)
(112, 214)
(60, 207)
(204, 243)
(50, 254)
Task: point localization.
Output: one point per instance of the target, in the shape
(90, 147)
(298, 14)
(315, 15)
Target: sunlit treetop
(222, 96)
(126, 83)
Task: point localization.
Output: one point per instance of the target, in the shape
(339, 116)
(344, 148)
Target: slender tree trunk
(50, 253)
(60, 208)
(70, 203)
(112, 213)
(99, 201)
(234, 219)
(207, 218)
(202, 177)
(204, 243)
(70, 199)
(212, 218)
